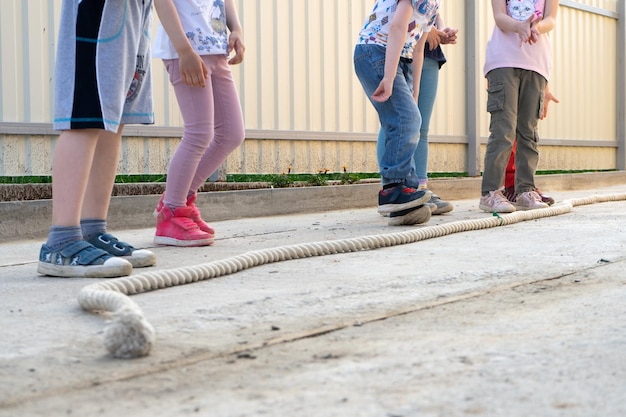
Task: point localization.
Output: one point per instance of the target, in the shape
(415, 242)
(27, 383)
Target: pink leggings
(213, 128)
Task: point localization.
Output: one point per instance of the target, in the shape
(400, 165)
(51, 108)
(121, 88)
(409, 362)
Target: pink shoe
(195, 214)
(196, 217)
(530, 200)
(176, 228)
(545, 198)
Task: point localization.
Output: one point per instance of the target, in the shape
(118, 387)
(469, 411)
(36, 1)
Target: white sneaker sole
(112, 267)
(418, 216)
(170, 241)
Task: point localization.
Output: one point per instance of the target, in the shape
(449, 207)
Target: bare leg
(73, 158)
(102, 175)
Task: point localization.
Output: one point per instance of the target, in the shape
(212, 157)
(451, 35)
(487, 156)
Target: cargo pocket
(542, 101)
(495, 98)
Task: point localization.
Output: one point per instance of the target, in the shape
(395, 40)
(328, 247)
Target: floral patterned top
(204, 23)
(376, 28)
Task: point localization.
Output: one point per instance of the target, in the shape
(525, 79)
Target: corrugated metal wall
(303, 106)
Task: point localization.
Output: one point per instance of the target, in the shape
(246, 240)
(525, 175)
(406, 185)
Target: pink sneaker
(176, 228)
(195, 214)
(530, 200)
(496, 202)
(545, 198)
(196, 217)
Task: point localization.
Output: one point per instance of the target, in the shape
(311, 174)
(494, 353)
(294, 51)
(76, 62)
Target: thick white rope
(129, 335)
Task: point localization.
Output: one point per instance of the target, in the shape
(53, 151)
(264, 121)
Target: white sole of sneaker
(170, 241)
(491, 210)
(418, 216)
(443, 210)
(524, 208)
(141, 258)
(112, 268)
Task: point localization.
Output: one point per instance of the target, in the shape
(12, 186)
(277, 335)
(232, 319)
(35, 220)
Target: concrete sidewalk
(517, 320)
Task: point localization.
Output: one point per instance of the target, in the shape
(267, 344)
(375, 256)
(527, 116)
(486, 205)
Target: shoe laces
(498, 198)
(532, 196)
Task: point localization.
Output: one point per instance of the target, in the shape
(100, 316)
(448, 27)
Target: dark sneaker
(441, 206)
(138, 258)
(400, 198)
(414, 215)
(82, 260)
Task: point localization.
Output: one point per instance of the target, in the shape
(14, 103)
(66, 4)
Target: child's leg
(176, 223)
(502, 104)
(509, 177)
(73, 158)
(426, 102)
(198, 111)
(66, 254)
(400, 121)
(399, 116)
(229, 130)
(527, 154)
(102, 175)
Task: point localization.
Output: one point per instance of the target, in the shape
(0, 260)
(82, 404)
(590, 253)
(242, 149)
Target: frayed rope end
(128, 335)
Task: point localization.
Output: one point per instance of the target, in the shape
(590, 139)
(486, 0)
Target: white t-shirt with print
(376, 29)
(204, 23)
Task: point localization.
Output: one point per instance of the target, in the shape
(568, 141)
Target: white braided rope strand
(128, 334)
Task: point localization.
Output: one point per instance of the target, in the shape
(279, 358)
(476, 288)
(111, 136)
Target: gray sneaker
(441, 206)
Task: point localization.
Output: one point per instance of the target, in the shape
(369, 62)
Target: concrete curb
(31, 219)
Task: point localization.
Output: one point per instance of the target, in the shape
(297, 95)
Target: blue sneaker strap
(112, 245)
(85, 252)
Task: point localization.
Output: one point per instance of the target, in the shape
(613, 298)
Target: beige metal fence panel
(304, 108)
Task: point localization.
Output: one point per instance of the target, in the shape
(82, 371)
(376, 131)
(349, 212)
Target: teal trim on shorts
(85, 120)
(110, 38)
(138, 114)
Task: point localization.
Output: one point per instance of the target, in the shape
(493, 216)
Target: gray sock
(61, 236)
(92, 227)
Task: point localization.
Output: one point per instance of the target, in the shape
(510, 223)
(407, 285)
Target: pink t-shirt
(504, 51)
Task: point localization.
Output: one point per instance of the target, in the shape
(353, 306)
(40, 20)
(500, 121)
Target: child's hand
(450, 37)
(547, 98)
(235, 43)
(193, 70)
(534, 32)
(524, 30)
(383, 92)
(434, 38)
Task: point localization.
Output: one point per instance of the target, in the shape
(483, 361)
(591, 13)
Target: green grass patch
(277, 180)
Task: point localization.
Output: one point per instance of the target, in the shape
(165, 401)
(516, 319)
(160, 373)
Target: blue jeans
(425, 102)
(399, 116)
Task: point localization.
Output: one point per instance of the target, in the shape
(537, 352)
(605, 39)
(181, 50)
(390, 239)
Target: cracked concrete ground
(520, 320)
